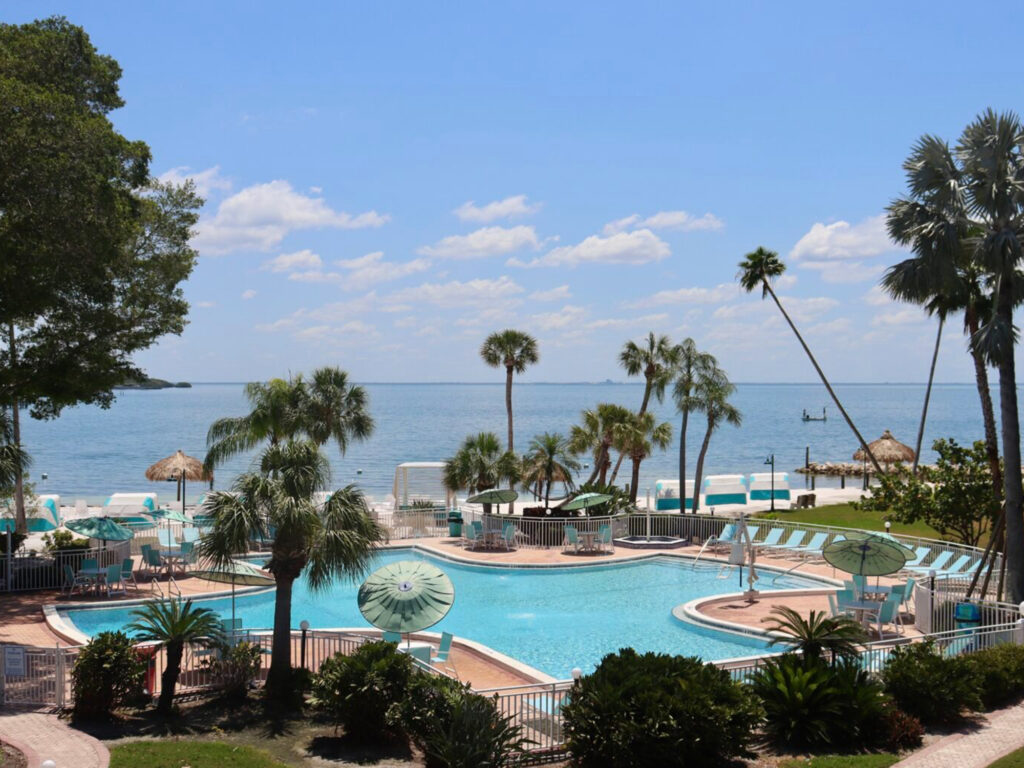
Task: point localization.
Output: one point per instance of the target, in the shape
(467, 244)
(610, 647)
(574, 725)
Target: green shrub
(999, 672)
(63, 541)
(656, 709)
(426, 708)
(902, 731)
(356, 691)
(233, 671)
(108, 673)
(929, 686)
(474, 735)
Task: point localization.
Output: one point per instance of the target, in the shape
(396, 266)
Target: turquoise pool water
(552, 619)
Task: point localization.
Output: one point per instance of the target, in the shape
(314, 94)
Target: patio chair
(793, 542)
(604, 537)
(90, 562)
(907, 591)
(152, 560)
(166, 539)
(113, 579)
(774, 537)
(889, 613)
(72, 580)
(937, 564)
(572, 539)
(190, 534)
(471, 537)
(833, 605)
(508, 536)
(188, 554)
(128, 572)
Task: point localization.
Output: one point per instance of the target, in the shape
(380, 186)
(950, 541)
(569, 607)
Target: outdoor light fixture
(304, 626)
(771, 460)
(577, 673)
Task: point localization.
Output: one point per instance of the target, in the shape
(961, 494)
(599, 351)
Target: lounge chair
(128, 572)
(920, 555)
(113, 580)
(752, 531)
(935, 565)
(72, 580)
(190, 534)
(166, 539)
(572, 539)
(793, 542)
(813, 547)
(773, 538)
(960, 568)
(726, 537)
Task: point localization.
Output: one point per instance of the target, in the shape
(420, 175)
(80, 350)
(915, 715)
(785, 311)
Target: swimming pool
(553, 619)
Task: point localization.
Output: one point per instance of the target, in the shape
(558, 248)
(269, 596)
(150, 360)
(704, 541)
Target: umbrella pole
(232, 602)
(183, 493)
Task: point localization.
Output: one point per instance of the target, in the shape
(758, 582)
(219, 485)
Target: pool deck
(22, 620)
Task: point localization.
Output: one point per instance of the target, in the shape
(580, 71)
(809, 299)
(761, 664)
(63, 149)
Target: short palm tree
(548, 461)
(759, 269)
(515, 351)
(817, 635)
(481, 464)
(595, 435)
(173, 624)
(336, 539)
(691, 364)
(711, 397)
(14, 463)
(637, 437)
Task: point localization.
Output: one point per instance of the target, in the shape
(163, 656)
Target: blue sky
(389, 182)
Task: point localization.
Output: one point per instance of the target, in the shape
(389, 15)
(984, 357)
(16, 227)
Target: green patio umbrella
(236, 572)
(884, 537)
(406, 596)
(586, 500)
(167, 515)
(868, 556)
(494, 496)
(101, 527)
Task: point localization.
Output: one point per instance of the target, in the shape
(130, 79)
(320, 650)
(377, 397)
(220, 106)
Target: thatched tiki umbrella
(181, 468)
(887, 449)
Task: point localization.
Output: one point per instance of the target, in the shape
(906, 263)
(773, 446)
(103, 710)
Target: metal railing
(24, 571)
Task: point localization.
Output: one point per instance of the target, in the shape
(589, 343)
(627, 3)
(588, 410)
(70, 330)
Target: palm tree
(818, 634)
(637, 437)
(549, 461)
(14, 460)
(691, 365)
(172, 624)
(760, 268)
(515, 350)
(596, 436)
(326, 407)
(711, 397)
(481, 464)
(326, 541)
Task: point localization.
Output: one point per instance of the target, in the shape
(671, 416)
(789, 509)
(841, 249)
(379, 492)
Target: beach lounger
(920, 555)
(793, 542)
(958, 568)
(936, 564)
(774, 537)
(813, 546)
(726, 537)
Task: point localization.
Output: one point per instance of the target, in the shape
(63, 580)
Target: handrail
(154, 586)
(172, 587)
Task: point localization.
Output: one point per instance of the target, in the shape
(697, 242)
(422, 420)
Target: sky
(387, 183)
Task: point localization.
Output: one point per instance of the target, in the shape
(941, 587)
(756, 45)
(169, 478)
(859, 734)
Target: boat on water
(807, 417)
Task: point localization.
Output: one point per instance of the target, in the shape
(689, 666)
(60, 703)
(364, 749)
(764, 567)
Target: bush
(999, 672)
(356, 691)
(108, 673)
(657, 709)
(63, 541)
(902, 731)
(233, 672)
(474, 735)
(929, 686)
(426, 708)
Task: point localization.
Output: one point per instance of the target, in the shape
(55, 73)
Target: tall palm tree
(548, 461)
(595, 435)
(637, 437)
(691, 365)
(515, 351)
(14, 459)
(324, 408)
(172, 624)
(333, 540)
(711, 397)
(759, 269)
(481, 464)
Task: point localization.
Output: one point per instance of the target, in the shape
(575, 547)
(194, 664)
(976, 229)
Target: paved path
(1001, 733)
(42, 736)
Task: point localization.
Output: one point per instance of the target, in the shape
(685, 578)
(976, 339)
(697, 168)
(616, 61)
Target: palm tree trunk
(988, 416)
(169, 679)
(821, 374)
(927, 395)
(682, 463)
(20, 524)
(508, 406)
(615, 472)
(635, 480)
(279, 677)
(1013, 491)
(700, 466)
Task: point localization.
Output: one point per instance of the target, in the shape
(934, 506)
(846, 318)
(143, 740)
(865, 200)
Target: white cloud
(360, 273)
(877, 297)
(678, 220)
(206, 181)
(842, 240)
(206, 304)
(344, 334)
(908, 316)
(249, 293)
(259, 217)
(638, 247)
(551, 294)
(488, 241)
(696, 295)
(785, 281)
(456, 294)
(289, 262)
(844, 271)
(801, 309)
(510, 207)
(567, 317)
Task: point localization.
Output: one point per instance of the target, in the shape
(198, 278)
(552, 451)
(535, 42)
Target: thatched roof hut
(887, 450)
(177, 466)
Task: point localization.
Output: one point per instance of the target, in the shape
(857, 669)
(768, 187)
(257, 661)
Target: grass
(193, 754)
(1013, 760)
(846, 516)
(877, 760)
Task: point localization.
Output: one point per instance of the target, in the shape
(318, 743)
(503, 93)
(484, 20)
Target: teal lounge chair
(774, 537)
(813, 546)
(960, 568)
(920, 555)
(793, 542)
(113, 580)
(188, 554)
(727, 536)
(190, 533)
(937, 564)
(572, 538)
(152, 560)
(166, 539)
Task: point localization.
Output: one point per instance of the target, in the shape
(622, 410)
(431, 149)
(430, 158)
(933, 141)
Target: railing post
(60, 677)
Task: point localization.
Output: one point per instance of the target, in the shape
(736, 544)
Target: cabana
(761, 486)
(130, 508)
(43, 515)
(419, 483)
(725, 489)
(666, 495)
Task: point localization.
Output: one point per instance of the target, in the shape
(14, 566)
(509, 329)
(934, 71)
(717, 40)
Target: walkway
(42, 736)
(1000, 733)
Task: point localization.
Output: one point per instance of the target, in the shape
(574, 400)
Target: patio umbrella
(181, 468)
(586, 500)
(406, 596)
(236, 572)
(869, 556)
(885, 537)
(494, 496)
(887, 449)
(168, 516)
(103, 528)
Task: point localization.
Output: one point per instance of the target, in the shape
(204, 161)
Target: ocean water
(90, 452)
(552, 619)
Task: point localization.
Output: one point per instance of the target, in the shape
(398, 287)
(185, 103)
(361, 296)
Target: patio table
(587, 538)
(170, 558)
(864, 609)
(94, 574)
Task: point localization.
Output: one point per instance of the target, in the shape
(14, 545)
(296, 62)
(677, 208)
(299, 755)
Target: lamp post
(304, 626)
(771, 460)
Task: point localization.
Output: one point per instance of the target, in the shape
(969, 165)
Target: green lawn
(190, 754)
(880, 760)
(1012, 760)
(846, 516)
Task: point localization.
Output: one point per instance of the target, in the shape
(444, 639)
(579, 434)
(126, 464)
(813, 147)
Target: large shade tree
(280, 504)
(514, 351)
(711, 397)
(691, 365)
(92, 251)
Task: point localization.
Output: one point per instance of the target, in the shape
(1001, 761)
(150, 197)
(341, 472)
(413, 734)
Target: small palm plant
(172, 624)
(817, 636)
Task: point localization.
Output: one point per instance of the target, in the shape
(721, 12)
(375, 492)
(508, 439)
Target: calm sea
(89, 452)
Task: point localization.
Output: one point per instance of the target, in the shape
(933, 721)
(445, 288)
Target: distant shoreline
(622, 383)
